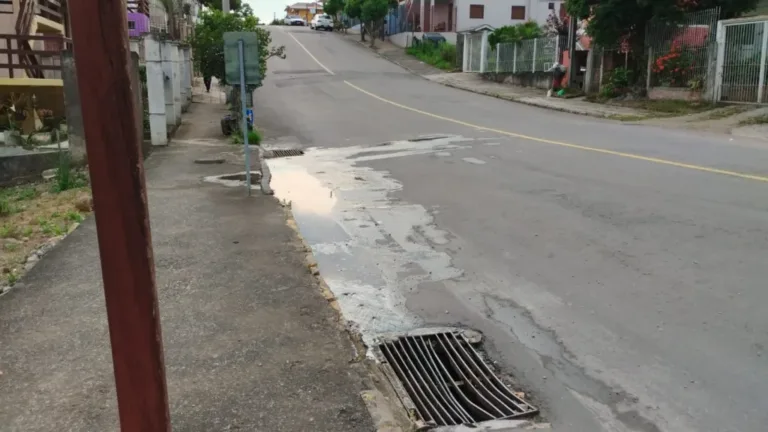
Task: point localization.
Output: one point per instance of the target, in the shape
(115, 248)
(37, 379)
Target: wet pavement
(617, 271)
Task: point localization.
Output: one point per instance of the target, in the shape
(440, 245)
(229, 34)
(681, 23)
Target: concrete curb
(266, 175)
(529, 103)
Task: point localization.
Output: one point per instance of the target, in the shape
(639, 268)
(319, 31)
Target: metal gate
(474, 42)
(741, 61)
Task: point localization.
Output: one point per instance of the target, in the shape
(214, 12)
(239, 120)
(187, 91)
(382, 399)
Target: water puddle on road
(371, 250)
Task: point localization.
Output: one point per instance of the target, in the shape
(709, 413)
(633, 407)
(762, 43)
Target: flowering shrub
(675, 68)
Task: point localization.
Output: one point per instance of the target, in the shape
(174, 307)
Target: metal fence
(533, 55)
(741, 61)
(682, 54)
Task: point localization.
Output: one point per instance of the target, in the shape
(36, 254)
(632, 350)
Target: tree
(208, 42)
(612, 21)
(515, 33)
(334, 8)
(354, 9)
(373, 13)
(245, 11)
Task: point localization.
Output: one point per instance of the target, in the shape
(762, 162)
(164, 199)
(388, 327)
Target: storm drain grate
(282, 153)
(448, 381)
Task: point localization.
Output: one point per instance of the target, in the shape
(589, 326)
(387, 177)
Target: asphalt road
(617, 271)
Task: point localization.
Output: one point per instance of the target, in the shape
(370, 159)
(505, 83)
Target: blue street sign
(249, 115)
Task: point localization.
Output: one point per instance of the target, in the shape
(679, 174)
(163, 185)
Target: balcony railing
(37, 56)
(50, 9)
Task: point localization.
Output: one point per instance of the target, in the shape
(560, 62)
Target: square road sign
(250, 54)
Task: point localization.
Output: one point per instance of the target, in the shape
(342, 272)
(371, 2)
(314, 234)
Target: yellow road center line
(543, 140)
(565, 144)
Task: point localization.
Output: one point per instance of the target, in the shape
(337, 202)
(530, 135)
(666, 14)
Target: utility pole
(225, 6)
(100, 35)
(572, 28)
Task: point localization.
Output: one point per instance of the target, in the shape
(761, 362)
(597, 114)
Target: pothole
(234, 180)
(443, 380)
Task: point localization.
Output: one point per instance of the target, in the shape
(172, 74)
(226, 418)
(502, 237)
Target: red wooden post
(100, 38)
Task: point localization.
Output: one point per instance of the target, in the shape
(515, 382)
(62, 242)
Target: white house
(460, 15)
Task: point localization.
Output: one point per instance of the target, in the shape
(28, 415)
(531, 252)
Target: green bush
(515, 33)
(254, 137)
(442, 55)
(617, 83)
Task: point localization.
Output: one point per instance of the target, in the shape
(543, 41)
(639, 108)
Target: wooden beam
(100, 33)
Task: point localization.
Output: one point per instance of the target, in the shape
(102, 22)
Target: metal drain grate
(449, 383)
(271, 154)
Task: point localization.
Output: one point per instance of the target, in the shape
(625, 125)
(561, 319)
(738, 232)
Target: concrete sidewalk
(536, 97)
(251, 343)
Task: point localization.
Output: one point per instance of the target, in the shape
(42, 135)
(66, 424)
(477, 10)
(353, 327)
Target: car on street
(321, 22)
(295, 21)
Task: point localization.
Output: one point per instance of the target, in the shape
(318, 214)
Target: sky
(266, 9)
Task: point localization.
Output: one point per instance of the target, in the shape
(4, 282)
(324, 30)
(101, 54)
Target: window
(551, 6)
(131, 25)
(476, 11)
(518, 12)
(6, 6)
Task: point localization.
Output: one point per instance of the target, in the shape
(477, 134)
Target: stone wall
(24, 166)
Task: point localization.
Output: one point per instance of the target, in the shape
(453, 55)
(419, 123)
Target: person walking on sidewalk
(207, 82)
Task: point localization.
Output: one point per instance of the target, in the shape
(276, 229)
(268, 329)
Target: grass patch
(757, 120)
(441, 56)
(38, 213)
(673, 107)
(660, 107)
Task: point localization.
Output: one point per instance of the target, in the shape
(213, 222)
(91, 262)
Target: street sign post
(243, 68)
(249, 116)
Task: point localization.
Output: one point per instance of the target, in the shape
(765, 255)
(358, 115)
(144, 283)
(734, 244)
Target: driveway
(617, 271)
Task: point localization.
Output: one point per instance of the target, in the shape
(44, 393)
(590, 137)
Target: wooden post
(100, 36)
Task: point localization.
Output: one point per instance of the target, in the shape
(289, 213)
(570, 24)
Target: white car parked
(321, 21)
(295, 21)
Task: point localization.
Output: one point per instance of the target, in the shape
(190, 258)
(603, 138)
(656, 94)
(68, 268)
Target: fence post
(720, 38)
(602, 68)
(498, 50)
(158, 125)
(649, 71)
(484, 52)
(589, 75)
(761, 81)
(467, 41)
(514, 60)
(533, 66)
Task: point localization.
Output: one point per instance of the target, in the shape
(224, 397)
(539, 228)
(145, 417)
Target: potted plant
(15, 113)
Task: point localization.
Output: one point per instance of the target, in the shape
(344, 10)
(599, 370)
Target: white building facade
(499, 13)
